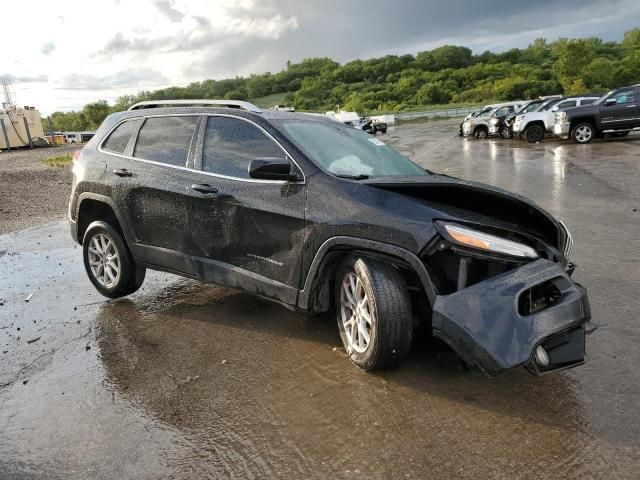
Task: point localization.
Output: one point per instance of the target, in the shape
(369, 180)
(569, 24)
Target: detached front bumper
(561, 130)
(485, 325)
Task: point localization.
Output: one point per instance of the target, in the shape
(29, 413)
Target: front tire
(373, 312)
(108, 262)
(582, 133)
(534, 134)
(481, 133)
(505, 133)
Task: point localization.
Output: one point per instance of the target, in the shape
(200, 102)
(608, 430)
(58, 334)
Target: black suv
(615, 115)
(317, 215)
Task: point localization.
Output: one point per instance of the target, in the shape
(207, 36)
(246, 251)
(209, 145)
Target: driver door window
(504, 111)
(624, 97)
(230, 144)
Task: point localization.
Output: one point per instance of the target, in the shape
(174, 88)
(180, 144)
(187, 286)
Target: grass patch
(60, 161)
(269, 101)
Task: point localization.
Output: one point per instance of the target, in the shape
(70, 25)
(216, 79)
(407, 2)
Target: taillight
(76, 155)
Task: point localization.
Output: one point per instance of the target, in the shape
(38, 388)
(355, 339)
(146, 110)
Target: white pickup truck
(533, 126)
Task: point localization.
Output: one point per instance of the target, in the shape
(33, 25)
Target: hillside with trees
(448, 74)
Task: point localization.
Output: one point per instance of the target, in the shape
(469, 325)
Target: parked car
(479, 126)
(533, 126)
(615, 114)
(482, 111)
(370, 125)
(316, 215)
(504, 128)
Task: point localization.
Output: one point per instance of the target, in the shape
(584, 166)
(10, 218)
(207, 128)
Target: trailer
(19, 127)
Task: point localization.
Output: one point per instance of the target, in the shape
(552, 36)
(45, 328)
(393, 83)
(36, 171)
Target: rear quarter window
(166, 139)
(119, 139)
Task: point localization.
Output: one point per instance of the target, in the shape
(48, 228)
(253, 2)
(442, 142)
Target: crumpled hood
(476, 203)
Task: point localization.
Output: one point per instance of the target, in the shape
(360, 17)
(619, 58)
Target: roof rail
(194, 103)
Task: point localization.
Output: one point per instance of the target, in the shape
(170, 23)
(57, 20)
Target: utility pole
(6, 90)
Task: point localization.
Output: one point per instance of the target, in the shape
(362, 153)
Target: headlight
(519, 118)
(490, 243)
(494, 121)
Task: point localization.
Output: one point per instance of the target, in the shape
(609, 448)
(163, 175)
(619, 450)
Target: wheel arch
(584, 119)
(532, 123)
(482, 126)
(92, 207)
(316, 294)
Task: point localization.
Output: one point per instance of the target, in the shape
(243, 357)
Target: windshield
(533, 107)
(550, 104)
(348, 152)
(602, 98)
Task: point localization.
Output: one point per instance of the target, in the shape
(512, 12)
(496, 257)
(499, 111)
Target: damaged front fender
(486, 325)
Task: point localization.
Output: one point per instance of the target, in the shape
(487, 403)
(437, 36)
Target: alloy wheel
(356, 313)
(583, 134)
(104, 260)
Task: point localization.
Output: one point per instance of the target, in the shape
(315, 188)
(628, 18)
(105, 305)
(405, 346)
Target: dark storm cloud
(362, 29)
(346, 30)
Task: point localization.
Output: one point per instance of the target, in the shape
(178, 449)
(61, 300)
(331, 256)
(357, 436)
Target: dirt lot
(186, 380)
(30, 192)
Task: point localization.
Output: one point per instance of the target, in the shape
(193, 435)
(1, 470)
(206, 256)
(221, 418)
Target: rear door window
(230, 144)
(120, 137)
(166, 139)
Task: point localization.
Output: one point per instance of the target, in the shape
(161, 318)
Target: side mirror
(272, 168)
(610, 101)
(555, 109)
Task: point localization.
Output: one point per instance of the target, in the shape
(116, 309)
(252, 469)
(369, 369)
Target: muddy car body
(318, 215)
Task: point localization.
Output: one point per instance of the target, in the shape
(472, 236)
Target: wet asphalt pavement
(187, 380)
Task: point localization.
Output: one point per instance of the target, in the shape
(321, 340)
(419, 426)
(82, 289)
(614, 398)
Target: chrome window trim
(240, 179)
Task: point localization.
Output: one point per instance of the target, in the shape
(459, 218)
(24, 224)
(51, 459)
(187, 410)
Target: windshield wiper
(354, 177)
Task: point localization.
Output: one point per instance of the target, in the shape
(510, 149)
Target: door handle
(123, 172)
(204, 188)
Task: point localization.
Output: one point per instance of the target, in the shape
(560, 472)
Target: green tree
(432, 93)
(572, 56)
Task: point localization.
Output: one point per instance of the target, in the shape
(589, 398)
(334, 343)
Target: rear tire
(108, 262)
(534, 134)
(583, 133)
(373, 310)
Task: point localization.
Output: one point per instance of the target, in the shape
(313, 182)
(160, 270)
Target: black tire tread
(393, 310)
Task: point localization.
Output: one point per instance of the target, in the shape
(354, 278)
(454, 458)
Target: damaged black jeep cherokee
(318, 215)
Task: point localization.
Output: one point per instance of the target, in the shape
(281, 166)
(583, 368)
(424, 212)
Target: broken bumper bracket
(482, 323)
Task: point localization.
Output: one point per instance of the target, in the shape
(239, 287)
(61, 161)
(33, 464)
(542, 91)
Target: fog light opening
(542, 358)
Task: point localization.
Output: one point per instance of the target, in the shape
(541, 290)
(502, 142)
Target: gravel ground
(32, 193)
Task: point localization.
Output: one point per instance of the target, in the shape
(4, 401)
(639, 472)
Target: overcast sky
(67, 53)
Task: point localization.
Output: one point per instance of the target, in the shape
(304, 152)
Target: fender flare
(374, 246)
(107, 201)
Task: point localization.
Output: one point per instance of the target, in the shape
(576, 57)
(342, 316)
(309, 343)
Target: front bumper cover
(561, 130)
(482, 323)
